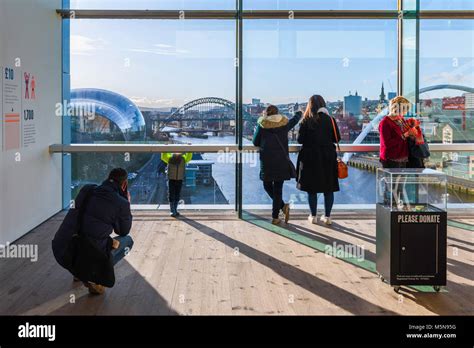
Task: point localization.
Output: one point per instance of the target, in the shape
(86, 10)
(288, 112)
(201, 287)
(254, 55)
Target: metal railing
(257, 14)
(211, 148)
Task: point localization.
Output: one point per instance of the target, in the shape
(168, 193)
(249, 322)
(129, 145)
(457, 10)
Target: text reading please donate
(424, 219)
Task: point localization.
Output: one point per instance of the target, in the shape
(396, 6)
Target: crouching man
(83, 244)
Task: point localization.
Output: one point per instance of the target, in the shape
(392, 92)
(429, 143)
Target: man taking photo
(83, 244)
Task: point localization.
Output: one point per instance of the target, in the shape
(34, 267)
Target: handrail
(258, 14)
(215, 148)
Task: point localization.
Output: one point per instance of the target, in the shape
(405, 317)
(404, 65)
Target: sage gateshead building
(189, 99)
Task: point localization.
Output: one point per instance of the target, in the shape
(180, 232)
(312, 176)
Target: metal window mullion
(400, 47)
(239, 108)
(417, 58)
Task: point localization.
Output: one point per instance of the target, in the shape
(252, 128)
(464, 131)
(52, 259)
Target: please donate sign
(419, 219)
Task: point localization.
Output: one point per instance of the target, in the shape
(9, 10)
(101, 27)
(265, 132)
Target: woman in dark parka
(271, 135)
(317, 159)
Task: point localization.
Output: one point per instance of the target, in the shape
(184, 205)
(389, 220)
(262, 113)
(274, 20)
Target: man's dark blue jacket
(107, 211)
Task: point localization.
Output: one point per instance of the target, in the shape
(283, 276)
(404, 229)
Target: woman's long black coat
(317, 159)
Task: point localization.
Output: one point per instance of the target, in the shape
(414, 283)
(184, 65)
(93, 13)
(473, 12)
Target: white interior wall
(30, 178)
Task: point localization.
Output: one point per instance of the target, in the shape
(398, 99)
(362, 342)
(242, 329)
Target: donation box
(411, 227)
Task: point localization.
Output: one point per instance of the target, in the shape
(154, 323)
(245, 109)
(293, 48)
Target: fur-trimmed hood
(273, 121)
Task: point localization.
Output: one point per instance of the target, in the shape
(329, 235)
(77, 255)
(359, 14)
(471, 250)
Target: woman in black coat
(317, 160)
(271, 135)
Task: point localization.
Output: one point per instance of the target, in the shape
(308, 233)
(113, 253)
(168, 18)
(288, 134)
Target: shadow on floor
(45, 288)
(443, 303)
(335, 295)
(440, 303)
(316, 240)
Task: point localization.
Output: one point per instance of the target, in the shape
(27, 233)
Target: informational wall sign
(28, 109)
(11, 108)
(18, 107)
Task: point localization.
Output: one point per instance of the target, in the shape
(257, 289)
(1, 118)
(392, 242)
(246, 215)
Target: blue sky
(166, 63)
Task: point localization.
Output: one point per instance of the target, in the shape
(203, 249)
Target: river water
(358, 188)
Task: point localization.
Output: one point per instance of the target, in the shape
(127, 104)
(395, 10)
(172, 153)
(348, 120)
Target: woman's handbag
(342, 170)
(290, 163)
(84, 259)
(420, 151)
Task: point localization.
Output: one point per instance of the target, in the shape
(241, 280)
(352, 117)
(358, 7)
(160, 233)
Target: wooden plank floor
(213, 263)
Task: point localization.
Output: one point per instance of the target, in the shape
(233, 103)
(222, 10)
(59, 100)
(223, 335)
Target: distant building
(469, 101)
(382, 99)
(352, 105)
(382, 103)
(256, 101)
(202, 172)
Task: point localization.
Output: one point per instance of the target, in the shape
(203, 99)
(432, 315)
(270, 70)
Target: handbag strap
(335, 133)
(282, 147)
(82, 209)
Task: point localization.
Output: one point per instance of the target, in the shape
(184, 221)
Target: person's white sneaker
(326, 220)
(312, 219)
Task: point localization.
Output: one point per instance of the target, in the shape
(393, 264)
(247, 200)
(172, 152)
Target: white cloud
(460, 75)
(448, 77)
(162, 46)
(85, 46)
(156, 103)
(160, 49)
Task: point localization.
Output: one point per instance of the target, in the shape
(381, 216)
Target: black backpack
(84, 259)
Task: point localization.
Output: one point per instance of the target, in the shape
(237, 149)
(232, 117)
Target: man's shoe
(94, 289)
(115, 244)
(286, 212)
(173, 212)
(276, 221)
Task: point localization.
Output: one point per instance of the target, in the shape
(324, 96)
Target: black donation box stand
(411, 227)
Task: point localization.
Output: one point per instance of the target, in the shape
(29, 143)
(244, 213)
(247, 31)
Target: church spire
(382, 94)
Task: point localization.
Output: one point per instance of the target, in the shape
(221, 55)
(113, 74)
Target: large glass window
(208, 179)
(351, 63)
(447, 89)
(142, 81)
(447, 77)
(160, 66)
(176, 82)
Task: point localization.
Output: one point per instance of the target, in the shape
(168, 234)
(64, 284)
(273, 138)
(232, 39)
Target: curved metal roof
(115, 107)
